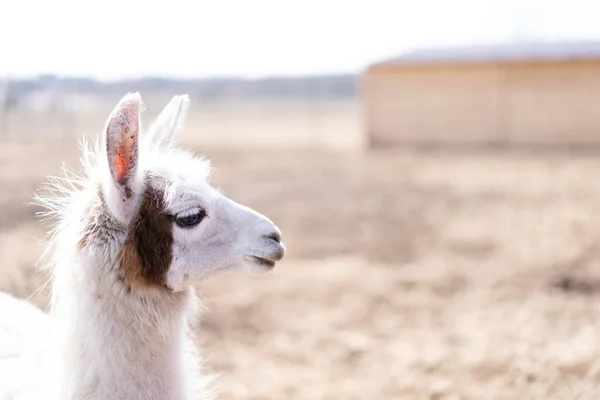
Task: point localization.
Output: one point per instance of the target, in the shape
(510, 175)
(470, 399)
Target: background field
(410, 275)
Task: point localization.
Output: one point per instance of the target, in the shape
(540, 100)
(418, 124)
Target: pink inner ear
(122, 140)
(123, 166)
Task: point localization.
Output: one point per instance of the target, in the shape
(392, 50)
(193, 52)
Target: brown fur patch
(148, 250)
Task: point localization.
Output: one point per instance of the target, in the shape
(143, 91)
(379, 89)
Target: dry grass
(409, 275)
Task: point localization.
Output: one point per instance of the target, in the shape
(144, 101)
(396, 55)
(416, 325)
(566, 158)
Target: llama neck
(117, 342)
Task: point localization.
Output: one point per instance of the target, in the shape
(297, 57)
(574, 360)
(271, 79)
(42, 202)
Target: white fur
(108, 340)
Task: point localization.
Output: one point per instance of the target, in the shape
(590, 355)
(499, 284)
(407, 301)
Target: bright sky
(114, 38)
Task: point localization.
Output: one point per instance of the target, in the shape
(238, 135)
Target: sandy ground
(432, 275)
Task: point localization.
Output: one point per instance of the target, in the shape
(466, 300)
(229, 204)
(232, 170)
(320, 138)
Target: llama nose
(275, 236)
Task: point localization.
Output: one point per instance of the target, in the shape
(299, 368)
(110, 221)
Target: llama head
(178, 228)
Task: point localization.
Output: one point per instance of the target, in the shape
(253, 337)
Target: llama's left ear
(123, 185)
(170, 120)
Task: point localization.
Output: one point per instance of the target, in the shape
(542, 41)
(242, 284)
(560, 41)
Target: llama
(130, 237)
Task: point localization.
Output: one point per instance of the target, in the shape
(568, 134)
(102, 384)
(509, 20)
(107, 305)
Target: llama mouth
(263, 262)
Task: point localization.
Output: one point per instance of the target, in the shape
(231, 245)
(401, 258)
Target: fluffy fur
(113, 332)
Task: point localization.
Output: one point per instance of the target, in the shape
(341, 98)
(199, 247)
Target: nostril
(276, 236)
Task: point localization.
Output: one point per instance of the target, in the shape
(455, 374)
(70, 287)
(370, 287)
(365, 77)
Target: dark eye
(190, 220)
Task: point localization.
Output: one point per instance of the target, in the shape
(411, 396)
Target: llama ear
(169, 122)
(121, 138)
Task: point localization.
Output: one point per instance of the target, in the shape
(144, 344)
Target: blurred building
(546, 93)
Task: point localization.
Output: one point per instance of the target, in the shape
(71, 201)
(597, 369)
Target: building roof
(512, 52)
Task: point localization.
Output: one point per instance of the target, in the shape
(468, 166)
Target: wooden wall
(518, 103)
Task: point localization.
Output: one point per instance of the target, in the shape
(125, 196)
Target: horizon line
(125, 78)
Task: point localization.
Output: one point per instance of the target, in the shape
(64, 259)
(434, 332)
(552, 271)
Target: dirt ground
(410, 275)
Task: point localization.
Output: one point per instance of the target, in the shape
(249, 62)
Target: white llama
(131, 236)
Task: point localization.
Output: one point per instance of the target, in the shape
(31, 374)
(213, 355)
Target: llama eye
(190, 220)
